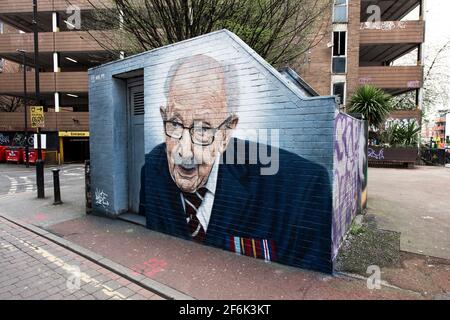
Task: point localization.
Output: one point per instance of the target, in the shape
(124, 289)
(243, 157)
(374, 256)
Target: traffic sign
(37, 117)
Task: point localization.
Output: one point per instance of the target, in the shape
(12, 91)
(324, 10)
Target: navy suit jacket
(291, 210)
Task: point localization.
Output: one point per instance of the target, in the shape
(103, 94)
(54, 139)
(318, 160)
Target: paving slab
(415, 202)
(200, 272)
(209, 273)
(48, 274)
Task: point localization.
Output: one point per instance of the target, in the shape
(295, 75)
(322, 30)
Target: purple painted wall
(349, 174)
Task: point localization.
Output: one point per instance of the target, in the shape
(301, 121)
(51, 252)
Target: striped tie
(192, 202)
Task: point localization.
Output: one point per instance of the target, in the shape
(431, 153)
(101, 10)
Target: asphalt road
(16, 179)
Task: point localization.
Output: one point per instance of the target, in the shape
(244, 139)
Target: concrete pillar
(56, 68)
(55, 26)
(56, 101)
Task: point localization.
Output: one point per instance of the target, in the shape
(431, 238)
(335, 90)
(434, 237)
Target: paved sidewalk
(208, 273)
(179, 269)
(34, 268)
(18, 195)
(416, 203)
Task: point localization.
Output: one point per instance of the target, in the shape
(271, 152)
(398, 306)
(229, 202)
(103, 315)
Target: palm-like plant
(373, 103)
(389, 136)
(401, 135)
(411, 134)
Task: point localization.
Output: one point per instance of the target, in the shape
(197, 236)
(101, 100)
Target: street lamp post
(39, 162)
(25, 104)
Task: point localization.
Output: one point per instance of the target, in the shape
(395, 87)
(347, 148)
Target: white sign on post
(43, 141)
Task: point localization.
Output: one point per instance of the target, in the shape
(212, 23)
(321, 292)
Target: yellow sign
(74, 134)
(37, 117)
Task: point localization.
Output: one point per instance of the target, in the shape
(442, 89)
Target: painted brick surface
(349, 177)
(287, 217)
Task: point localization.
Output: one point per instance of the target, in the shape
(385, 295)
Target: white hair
(231, 78)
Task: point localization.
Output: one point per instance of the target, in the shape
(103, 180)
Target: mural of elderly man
(191, 189)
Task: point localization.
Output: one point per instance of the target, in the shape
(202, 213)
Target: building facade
(364, 40)
(441, 129)
(65, 54)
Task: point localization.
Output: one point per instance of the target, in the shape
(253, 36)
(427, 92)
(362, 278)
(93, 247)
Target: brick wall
(353, 47)
(315, 66)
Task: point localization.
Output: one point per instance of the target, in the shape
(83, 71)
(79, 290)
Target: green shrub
(401, 135)
(373, 103)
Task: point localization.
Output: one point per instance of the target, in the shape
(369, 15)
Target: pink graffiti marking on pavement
(150, 267)
(37, 218)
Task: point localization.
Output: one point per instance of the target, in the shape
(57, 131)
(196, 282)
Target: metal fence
(435, 157)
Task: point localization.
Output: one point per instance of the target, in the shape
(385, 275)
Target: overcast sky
(438, 32)
(438, 20)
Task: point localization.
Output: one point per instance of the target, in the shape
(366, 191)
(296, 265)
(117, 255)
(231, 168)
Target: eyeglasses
(199, 135)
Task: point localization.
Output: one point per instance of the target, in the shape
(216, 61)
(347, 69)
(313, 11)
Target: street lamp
(25, 104)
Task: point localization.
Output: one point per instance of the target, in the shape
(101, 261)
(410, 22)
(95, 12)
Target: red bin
(2, 153)
(14, 154)
(33, 156)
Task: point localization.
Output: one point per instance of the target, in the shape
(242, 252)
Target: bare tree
(279, 30)
(10, 104)
(437, 77)
(435, 81)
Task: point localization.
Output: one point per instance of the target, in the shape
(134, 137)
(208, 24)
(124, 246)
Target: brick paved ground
(32, 267)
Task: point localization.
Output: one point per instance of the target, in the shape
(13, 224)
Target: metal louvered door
(136, 151)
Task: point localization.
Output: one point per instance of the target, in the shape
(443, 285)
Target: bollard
(56, 187)
(40, 179)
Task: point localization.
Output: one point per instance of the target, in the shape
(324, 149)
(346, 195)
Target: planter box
(383, 156)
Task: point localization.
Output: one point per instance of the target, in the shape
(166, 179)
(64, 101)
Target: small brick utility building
(208, 142)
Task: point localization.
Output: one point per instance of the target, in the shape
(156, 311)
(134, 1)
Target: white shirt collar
(212, 179)
(204, 212)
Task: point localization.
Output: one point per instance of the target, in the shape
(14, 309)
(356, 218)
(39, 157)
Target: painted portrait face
(197, 122)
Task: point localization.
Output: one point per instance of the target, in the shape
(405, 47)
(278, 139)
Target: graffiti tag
(364, 80)
(4, 140)
(20, 139)
(349, 176)
(101, 198)
(97, 77)
(413, 84)
(374, 155)
(383, 25)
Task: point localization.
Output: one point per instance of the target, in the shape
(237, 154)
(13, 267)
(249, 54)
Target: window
(340, 11)
(339, 43)
(339, 91)
(339, 52)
